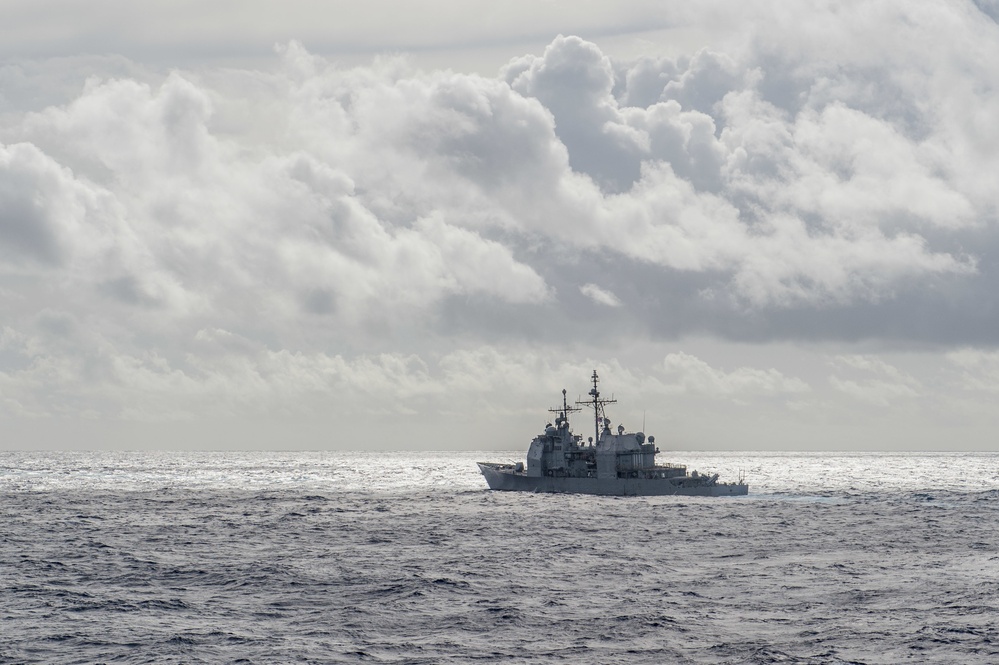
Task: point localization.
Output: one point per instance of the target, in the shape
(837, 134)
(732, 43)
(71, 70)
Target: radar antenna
(597, 405)
(565, 410)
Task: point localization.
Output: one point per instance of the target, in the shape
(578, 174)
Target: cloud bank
(226, 239)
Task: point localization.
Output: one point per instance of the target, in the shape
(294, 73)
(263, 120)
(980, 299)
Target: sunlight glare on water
(766, 472)
(408, 558)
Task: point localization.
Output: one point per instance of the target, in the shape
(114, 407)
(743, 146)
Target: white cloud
(876, 392)
(688, 374)
(875, 381)
(794, 221)
(599, 295)
(822, 174)
(870, 364)
(222, 375)
(215, 221)
(979, 369)
(825, 207)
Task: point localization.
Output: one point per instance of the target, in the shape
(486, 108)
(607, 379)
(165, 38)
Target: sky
(403, 226)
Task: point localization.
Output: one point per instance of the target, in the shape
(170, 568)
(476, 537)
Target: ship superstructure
(612, 463)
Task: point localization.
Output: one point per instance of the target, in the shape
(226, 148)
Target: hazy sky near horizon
(410, 225)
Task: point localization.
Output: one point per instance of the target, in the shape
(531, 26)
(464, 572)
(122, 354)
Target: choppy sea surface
(408, 558)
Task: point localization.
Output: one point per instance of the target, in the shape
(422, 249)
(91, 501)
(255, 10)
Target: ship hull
(505, 478)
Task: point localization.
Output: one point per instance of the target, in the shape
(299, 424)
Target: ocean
(156, 557)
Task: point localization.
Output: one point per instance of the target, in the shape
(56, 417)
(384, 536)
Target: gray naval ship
(607, 463)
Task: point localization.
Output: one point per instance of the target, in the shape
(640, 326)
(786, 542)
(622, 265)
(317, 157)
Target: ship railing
(658, 467)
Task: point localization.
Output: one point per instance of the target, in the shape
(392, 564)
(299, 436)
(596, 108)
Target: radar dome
(640, 437)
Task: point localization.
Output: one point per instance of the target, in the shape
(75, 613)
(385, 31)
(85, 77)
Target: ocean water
(408, 558)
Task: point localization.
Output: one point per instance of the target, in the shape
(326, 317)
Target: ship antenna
(597, 415)
(565, 410)
(597, 405)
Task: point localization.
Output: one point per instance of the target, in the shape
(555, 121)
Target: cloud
(878, 393)
(688, 374)
(799, 182)
(209, 222)
(573, 80)
(879, 383)
(230, 31)
(34, 204)
(705, 80)
(599, 295)
(771, 199)
(830, 206)
(979, 369)
(223, 374)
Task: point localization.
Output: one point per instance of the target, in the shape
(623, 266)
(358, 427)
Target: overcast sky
(391, 225)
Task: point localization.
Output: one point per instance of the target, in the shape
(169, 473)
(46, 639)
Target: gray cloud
(775, 211)
(32, 199)
(573, 79)
(309, 227)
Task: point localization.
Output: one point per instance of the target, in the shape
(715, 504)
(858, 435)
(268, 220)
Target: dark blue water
(266, 558)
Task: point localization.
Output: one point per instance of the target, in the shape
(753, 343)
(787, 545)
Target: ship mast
(565, 410)
(597, 405)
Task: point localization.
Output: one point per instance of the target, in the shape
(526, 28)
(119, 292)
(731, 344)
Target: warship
(607, 463)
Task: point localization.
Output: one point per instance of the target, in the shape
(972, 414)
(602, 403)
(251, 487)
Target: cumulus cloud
(364, 170)
(828, 205)
(796, 182)
(192, 210)
(35, 203)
